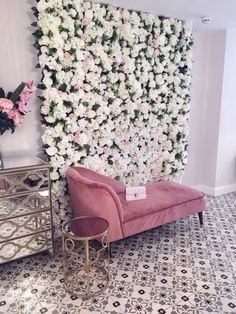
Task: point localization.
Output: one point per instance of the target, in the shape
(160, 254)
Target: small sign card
(135, 193)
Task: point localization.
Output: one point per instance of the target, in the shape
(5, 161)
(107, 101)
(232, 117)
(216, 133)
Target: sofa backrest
(94, 176)
(95, 198)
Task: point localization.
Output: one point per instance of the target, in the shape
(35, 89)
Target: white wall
(18, 59)
(17, 63)
(213, 148)
(213, 87)
(193, 171)
(208, 55)
(226, 155)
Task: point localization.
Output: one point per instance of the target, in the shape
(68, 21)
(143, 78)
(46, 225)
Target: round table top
(86, 227)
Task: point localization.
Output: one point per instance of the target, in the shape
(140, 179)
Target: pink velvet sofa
(93, 194)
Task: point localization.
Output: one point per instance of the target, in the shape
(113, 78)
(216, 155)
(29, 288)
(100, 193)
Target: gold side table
(85, 256)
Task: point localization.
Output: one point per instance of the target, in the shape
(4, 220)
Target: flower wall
(115, 92)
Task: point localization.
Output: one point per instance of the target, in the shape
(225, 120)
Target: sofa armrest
(90, 198)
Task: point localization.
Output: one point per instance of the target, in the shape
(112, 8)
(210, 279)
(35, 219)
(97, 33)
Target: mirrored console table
(26, 225)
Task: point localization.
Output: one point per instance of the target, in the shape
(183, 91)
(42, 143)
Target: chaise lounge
(93, 194)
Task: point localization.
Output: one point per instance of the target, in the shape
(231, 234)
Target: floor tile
(178, 268)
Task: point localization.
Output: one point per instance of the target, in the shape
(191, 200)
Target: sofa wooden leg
(200, 216)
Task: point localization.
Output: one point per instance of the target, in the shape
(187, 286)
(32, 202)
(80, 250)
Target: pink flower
(84, 87)
(31, 88)
(72, 116)
(76, 137)
(84, 36)
(60, 93)
(56, 209)
(105, 98)
(122, 62)
(29, 84)
(117, 163)
(155, 53)
(15, 116)
(70, 137)
(87, 59)
(5, 104)
(85, 21)
(85, 69)
(22, 107)
(25, 96)
(87, 112)
(67, 55)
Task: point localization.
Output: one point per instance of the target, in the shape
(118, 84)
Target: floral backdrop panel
(115, 91)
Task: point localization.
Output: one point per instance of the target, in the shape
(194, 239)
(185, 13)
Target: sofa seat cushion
(160, 196)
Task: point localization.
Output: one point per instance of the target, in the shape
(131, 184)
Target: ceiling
(221, 12)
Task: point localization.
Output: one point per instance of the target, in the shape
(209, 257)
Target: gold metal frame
(86, 269)
(25, 211)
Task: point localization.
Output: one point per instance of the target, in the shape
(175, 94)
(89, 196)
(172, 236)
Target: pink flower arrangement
(13, 106)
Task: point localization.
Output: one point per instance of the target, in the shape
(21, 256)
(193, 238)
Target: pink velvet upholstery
(160, 196)
(93, 194)
(117, 186)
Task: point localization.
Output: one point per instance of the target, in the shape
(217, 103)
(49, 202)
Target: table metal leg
(87, 263)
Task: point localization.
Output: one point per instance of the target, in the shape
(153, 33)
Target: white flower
(45, 109)
(51, 151)
(114, 104)
(161, 40)
(54, 175)
(173, 40)
(89, 14)
(188, 28)
(42, 5)
(50, 119)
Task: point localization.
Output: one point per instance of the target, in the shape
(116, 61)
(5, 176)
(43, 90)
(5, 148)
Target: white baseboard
(224, 189)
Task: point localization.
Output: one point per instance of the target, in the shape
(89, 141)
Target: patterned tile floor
(176, 268)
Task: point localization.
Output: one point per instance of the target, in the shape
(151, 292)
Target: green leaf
(34, 24)
(41, 98)
(2, 93)
(87, 147)
(178, 156)
(114, 145)
(109, 160)
(6, 123)
(35, 11)
(85, 103)
(63, 87)
(41, 86)
(67, 103)
(95, 107)
(16, 94)
(38, 33)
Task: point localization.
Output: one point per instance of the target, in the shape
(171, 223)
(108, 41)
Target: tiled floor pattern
(176, 268)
